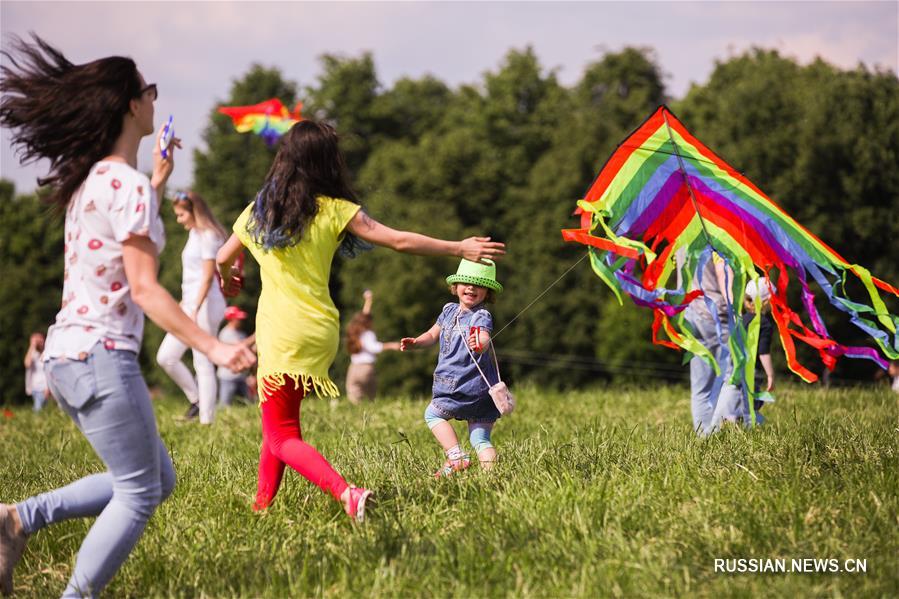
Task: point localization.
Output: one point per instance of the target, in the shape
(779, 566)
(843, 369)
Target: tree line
(508, 156)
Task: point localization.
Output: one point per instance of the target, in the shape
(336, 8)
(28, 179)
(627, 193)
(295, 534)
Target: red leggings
(282, 444)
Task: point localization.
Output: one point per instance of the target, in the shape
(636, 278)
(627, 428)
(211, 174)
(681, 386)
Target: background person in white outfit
(363, 346)
(35, 381)
(201, 300)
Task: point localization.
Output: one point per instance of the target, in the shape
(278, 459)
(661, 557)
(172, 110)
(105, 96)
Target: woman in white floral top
(88, 121)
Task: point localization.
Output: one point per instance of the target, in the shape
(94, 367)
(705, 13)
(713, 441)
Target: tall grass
(597, 493)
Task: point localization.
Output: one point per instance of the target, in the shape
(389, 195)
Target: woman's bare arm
(139, 256)
(407, 242)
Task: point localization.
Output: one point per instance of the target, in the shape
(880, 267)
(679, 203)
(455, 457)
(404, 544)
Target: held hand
(406, 343)
(476, 249)
(473, 342)
(235, 357)
(232, 285)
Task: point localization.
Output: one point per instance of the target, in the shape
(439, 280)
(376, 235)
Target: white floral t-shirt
(114, 202)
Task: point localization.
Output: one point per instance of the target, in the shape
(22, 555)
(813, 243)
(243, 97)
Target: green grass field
(599, 493)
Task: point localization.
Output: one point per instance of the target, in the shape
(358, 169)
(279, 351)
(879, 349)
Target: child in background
(764, 369)
(459, 391)
(363, 346)
(35, 380)
(304, 212)
(232, 383)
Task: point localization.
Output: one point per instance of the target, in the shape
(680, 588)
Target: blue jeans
(107, 398)
(229, 388)
(712, 399)
(39, 397)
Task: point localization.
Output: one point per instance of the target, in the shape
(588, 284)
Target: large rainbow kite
(664, 202)
(270, 119)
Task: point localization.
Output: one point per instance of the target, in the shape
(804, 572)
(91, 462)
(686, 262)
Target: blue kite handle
(168, 134)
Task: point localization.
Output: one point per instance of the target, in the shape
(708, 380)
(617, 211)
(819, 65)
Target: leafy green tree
(411, 108)
(345, 95)
(31, 240)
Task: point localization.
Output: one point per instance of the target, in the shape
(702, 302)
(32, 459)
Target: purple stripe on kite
(643, 297)
(868, 353)
(657, 293)
(808, 299)
(727, 198)
(668, 309)
(773, 236)
(651, 200)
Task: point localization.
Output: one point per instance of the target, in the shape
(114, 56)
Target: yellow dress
(297, 323)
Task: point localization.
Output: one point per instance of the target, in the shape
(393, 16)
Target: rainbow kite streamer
(663, 203)
(270, 119)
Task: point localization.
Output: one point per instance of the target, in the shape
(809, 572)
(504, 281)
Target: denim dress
(459, 391)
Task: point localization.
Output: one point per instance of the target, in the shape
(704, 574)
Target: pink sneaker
(358, 497)
(450, 467)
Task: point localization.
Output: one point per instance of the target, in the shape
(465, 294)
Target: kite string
(542, 293)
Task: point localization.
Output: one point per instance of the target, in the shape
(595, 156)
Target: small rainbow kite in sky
(269, 120)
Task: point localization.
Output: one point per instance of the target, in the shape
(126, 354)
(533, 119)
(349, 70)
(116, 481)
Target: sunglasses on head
(181, 196)
(150, 88)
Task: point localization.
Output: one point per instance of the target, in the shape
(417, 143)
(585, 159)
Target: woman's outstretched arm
(472, 248)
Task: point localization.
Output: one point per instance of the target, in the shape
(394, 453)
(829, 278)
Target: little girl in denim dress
(460, 392)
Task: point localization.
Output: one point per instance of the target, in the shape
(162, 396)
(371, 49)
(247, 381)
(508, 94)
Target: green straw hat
(475, 273)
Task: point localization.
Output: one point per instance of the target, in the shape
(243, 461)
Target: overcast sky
(194, 50)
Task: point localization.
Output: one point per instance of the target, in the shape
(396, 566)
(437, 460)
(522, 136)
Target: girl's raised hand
(476, 249)
(406, 343)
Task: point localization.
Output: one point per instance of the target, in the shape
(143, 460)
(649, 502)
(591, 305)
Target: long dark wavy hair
(69, 114)
(309, 164)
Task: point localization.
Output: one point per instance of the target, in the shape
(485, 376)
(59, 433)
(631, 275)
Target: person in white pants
(201, 300)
